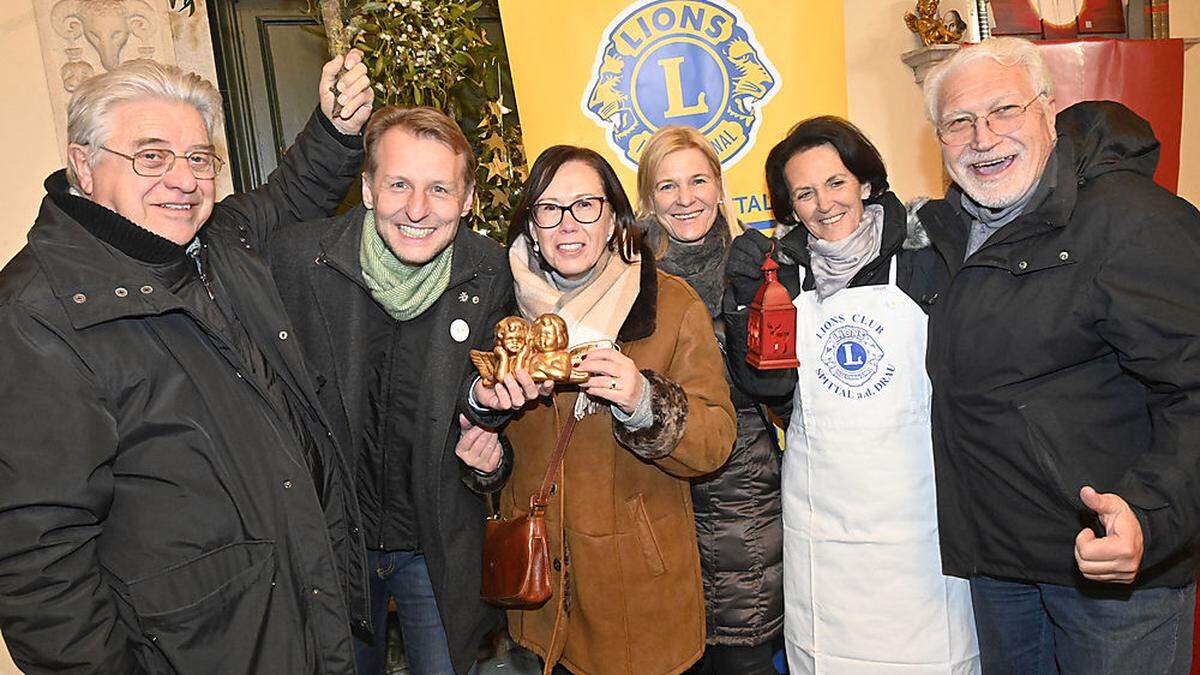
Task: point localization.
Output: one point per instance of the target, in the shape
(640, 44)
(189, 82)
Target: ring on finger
(613, 384)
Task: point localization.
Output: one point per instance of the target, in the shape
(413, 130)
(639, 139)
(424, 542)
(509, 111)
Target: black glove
(744, 268)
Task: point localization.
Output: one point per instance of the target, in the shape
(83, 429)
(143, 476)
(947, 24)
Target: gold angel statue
(932, 28)
(539, 348)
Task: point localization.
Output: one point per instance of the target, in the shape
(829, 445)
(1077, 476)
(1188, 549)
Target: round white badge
(459, 330)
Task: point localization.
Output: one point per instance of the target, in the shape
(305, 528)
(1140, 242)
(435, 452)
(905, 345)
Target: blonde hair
(422, 122)
(669, 139)
(92, 103)
(1007, 51)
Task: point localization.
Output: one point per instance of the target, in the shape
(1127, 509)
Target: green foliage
(435, 53)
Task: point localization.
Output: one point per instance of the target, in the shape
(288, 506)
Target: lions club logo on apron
(852, 357)
(689, 62)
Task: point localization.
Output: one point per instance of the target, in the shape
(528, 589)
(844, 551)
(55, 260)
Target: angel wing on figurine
(511, 352)
(539, 348)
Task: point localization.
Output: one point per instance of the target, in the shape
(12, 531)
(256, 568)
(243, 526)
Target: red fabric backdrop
(1146, 75)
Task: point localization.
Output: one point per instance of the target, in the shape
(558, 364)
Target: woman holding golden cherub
(653, 410)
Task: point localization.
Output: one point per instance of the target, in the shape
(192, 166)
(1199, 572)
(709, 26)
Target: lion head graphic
(693, 62)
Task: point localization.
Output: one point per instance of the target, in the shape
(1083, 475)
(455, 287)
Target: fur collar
(916, 237)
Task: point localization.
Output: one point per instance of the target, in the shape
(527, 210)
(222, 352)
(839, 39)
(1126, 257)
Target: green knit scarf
(403, 290)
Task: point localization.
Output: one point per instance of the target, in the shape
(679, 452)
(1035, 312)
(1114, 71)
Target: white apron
(863, 587)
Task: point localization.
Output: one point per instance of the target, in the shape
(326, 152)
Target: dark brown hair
(856, 152)
(625, 240)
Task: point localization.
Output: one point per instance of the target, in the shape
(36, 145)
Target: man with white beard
(1066, 374)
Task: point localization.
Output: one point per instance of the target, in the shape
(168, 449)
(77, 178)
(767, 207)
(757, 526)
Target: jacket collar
(340, 249)
(111, 227)
(643, 316)
(94, 282)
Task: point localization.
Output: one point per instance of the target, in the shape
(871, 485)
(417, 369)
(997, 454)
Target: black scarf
(111, 227)
(701, 264)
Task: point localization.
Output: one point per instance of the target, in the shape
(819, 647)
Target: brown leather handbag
(516, 552)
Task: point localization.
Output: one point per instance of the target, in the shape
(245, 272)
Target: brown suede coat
(627, 589)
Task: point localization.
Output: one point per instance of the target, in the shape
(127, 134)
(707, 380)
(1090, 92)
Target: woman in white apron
(863, 587)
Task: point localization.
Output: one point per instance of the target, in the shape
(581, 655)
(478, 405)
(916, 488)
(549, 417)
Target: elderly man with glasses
(1065, 360)
(172, 499)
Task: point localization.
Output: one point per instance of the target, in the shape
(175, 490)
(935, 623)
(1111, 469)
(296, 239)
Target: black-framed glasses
(585, 211)
(1003, 120)
(155, 162)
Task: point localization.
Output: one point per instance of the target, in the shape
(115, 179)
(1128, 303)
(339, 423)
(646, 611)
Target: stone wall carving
(105, 25)
(83, 37)
(80, 38)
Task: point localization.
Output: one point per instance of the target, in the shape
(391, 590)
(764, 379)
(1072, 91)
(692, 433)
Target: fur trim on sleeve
(669, 405)
(916, 238)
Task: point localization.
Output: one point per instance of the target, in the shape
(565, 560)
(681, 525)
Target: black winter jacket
(320, 278)
(920, 273)
(1066, 352)
(157, 513)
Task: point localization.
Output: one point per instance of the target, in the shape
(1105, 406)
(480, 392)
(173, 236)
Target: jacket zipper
(385, 438)
(229, 350)
(194, 251)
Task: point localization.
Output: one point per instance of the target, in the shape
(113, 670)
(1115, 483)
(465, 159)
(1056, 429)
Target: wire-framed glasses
(1003, 120)
(155, 162)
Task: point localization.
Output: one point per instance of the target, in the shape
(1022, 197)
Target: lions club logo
(689, 62)
(851, 355)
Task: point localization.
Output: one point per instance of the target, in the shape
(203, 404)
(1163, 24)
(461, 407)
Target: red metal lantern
(772, 340)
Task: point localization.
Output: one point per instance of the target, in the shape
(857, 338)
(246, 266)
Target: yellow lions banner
(607, 73)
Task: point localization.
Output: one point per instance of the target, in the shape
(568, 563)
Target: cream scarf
(593, 311)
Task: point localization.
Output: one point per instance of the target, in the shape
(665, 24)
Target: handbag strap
(539, 499)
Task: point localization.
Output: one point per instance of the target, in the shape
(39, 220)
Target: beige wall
(28, 147)
(26, 141)
(886, 103)
(1185, 22)
(884, 100)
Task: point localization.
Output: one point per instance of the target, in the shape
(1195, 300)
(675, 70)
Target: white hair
(140, 79)
(1007, 51)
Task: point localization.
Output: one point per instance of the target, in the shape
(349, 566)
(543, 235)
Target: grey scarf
(700, 263)
(834, 263)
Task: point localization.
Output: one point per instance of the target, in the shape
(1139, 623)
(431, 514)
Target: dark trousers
(1043, 629)
(402, 576)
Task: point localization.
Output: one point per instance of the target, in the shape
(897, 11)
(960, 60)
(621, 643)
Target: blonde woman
(688, 222)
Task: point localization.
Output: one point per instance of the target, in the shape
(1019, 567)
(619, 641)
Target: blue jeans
(1041, 629)
(403, 576)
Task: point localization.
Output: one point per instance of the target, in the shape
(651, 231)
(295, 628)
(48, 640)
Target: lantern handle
(768, 263)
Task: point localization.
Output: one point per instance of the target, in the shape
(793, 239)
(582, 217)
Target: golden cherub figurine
(933, 29)
(540, 349)
(510, 353)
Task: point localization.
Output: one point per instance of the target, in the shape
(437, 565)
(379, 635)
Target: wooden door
(269, 55)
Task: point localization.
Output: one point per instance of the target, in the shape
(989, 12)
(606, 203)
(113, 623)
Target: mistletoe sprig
(434, 53)
(418, 51)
